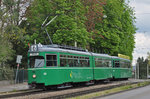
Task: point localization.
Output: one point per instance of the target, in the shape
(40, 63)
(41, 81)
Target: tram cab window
(36, 61)
(51, 60)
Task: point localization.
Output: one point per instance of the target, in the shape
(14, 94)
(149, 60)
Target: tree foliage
(80, 21)
(11, 15)
(94, 13)
(68, 27)
(6, 52)
(115, 34)
(84, 22)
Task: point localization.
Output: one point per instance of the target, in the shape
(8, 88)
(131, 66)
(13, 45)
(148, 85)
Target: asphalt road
(139, 93)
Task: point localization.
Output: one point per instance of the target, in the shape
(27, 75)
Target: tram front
(36, 64)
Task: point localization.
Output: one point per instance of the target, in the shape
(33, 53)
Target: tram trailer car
(53, 65)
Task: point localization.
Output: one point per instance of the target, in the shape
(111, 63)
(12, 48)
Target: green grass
(14, 90)
(110, 91)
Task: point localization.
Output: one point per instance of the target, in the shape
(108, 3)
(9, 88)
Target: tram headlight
(34, 54)
(34, 76)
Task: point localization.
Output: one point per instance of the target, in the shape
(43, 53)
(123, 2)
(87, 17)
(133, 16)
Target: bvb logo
(71, 74)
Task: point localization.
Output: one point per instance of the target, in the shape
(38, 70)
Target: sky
(142, 36)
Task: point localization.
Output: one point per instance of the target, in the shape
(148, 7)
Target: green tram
(53, 65)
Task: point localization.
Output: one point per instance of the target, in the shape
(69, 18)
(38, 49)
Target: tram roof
(56, 48)
(101, 55)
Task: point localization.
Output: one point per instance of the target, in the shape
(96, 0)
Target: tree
(80, 21)
(6, 52)
(115, 34)
(94, 13)
(11, 15)
(68, 27)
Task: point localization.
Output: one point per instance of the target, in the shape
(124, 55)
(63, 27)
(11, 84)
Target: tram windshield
(36, 61)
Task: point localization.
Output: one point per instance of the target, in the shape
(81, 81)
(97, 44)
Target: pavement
(6, 86)
(138, 93)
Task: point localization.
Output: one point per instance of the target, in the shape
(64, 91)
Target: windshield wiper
(39, 64)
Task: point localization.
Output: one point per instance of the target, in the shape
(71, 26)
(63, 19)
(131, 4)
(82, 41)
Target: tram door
(116, 68)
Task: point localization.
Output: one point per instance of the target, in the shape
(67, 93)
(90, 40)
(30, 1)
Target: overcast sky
(142, 36)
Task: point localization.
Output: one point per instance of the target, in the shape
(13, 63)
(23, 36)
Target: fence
(22, 75)
(10, 74)
(142, 70)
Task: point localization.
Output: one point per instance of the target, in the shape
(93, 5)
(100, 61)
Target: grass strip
(111, 91)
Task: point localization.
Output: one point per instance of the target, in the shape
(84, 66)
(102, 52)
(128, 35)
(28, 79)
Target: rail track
(66, 92)
(19, 93)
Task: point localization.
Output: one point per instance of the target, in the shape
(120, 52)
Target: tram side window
(70, 62)
(122, 64)
(117, 64)
(74, 61)
(84, 62)
(51, 60)
(128, 65)
(98, 62)
(107, 63)
(101, 62)
(63, 60)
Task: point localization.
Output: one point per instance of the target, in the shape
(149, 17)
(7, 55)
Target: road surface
(139, 93)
